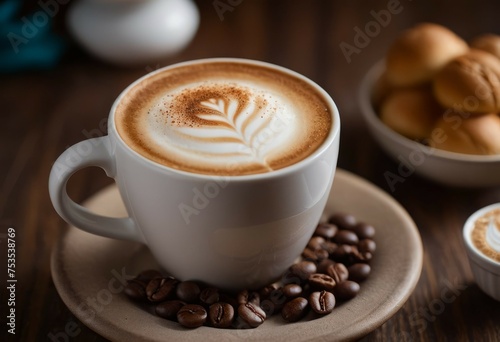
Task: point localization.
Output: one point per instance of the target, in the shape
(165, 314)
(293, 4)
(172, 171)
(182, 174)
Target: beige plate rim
(82, 270)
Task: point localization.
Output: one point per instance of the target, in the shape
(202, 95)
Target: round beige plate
(89, 273)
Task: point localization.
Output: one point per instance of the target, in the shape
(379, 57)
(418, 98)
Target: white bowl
(133, 32)
(486, 271)
(454, 169)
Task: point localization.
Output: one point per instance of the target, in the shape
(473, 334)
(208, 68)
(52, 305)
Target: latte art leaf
(248, 125)
(223, 118)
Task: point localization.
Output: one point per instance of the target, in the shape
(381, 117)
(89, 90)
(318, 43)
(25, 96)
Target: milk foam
(245, 127)
(223, 118)
(493, 233)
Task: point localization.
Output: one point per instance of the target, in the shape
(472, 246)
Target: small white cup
(244, 231)
(486, 270)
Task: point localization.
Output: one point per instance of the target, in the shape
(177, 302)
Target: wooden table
(44, 112)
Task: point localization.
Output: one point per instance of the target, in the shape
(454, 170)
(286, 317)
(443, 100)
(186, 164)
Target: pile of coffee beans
(333, 264)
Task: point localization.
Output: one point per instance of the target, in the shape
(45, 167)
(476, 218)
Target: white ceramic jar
(485, 269)
(134, 31)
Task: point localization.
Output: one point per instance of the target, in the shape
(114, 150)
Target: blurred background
(63, 63)
(43, 46)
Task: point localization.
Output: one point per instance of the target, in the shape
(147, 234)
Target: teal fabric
(27, 42)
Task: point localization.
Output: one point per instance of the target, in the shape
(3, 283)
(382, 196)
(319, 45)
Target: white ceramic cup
(229, 231)
(486, 270)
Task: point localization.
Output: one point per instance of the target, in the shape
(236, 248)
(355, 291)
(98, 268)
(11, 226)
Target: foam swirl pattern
(224, 119)
(493, 234)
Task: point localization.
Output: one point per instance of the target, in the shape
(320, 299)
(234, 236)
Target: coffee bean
(295, 309)
(160, 289)
(302, 270)
(251, 314)
(169, 309)
(323, 265)
(245, 296)
(338, 272)
(315, 242)
(336, 259)
(188, 291)
(319, 281)
(274, 302)
(314, 256)
(329, 246)
(309, 255)
(326, 230)
(321, 254)
(367, 245)
(268, 307)
(352, 256)
(220, 315)
(346, 237)
(322, 302)
(344, 253)
(192, 316)
(343, 220)
(292, 290)
(254, 298)
(346, 290)
(209, 295)
(364, 230)
(242, 297)
(266, 291)
(361, 256)
(135, 290)
(359, 272)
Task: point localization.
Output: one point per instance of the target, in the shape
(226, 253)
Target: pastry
(471, 82)
(487, 42)
(411, 112)
(418, 53)
(474, 135)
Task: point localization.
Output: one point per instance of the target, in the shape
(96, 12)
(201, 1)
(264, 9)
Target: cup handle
(91, 152)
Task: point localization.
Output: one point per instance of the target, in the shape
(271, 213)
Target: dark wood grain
(44, 112)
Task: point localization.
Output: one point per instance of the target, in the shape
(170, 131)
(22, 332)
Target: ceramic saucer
(89, 273)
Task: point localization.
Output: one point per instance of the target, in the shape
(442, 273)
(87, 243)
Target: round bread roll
(474, 135)
(411, 112)
(487, 42)
(418, 53)
(471, 81)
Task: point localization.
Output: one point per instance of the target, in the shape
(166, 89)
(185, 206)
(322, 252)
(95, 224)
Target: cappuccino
(223, 118)
(486, 234)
